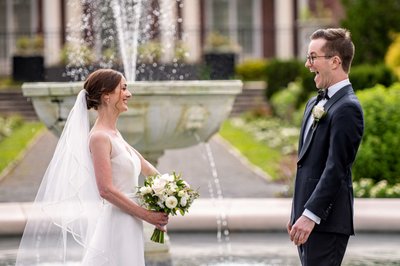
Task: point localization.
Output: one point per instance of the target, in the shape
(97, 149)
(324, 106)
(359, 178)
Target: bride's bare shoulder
(99, 137)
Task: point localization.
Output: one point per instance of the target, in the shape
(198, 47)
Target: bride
(87, 193)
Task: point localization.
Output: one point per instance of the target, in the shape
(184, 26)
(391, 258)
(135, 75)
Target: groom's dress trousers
(323, 184)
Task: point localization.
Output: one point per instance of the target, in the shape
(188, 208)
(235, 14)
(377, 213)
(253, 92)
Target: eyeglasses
(311, 58)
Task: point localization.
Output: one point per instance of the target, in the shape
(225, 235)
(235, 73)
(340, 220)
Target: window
(22, 17)
(17, 18)
(240, 20)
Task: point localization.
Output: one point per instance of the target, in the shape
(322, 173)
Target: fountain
(162, 114)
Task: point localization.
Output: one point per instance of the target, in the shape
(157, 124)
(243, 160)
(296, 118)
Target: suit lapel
(342, 92)
(304, 122)
(303, 148)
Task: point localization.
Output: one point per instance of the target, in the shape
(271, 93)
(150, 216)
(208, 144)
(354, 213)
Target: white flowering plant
(318, 112)
(167, 193)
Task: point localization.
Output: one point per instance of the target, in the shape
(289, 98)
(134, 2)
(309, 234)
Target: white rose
(318, 112)
(181, 193)
(145, 190)
(167, 177)
(183, 201)
(172, 189)
(159, 186)
(171, 202)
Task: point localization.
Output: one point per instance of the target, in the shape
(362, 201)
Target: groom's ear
(336, 62)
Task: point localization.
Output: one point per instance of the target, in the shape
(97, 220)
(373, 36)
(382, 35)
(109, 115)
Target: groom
(322, 211)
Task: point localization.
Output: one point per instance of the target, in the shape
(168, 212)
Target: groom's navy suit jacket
(323, 182)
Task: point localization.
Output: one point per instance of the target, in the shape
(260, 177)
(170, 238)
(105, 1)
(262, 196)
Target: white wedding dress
(118, 237)
(69, 223)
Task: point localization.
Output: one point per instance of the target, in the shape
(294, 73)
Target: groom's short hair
(338, 42)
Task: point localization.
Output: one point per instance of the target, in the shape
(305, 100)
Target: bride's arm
(100, 147)
(147, 167)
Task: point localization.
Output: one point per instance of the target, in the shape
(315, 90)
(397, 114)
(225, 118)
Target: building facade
(258, 28)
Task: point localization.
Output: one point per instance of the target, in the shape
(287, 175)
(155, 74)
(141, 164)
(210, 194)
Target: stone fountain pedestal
(162, 115)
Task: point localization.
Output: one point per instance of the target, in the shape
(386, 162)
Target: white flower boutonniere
(318, 112)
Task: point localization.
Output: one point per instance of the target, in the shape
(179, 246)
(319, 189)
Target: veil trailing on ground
(62, 219)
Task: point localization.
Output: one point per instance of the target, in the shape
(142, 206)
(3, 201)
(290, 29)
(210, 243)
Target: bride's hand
(158, 219)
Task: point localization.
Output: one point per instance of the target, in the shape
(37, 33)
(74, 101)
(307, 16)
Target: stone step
(13, 102)
(251, 98)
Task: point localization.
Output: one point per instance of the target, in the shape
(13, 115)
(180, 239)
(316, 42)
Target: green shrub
(366, 76)
(26, 45)
(280, 73)
(284, 102)
(370, 22)
(366, 188)
(251, 70)
(379, 153)
(8, 124)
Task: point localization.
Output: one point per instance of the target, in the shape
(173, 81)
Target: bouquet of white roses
(167, 193)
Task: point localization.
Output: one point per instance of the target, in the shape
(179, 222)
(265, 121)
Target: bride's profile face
(122, 94)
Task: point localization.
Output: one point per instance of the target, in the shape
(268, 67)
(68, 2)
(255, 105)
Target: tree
(371, 23)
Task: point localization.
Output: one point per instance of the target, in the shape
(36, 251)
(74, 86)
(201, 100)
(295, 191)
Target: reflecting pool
(250, 248)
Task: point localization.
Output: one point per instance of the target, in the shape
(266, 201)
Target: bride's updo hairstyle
(98, 83)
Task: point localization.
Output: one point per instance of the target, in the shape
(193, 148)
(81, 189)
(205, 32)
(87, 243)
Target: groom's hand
(301, 230)
(288, 227)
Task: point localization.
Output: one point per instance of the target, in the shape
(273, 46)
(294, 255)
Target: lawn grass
(13, 146)
(257, 153)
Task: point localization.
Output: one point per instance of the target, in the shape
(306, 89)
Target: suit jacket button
(299, 166)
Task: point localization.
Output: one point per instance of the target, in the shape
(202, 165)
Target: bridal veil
(63, 216)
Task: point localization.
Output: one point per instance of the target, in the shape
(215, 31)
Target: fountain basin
(162, 114)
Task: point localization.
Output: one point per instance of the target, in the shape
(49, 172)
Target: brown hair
(338, 42)
(98, 83)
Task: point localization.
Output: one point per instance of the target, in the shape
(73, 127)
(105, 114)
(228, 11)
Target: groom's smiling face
(319, 63)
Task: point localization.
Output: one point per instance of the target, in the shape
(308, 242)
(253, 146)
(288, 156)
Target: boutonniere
(318, 112)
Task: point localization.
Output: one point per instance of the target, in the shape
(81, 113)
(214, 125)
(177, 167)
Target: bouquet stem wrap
(157, 236)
